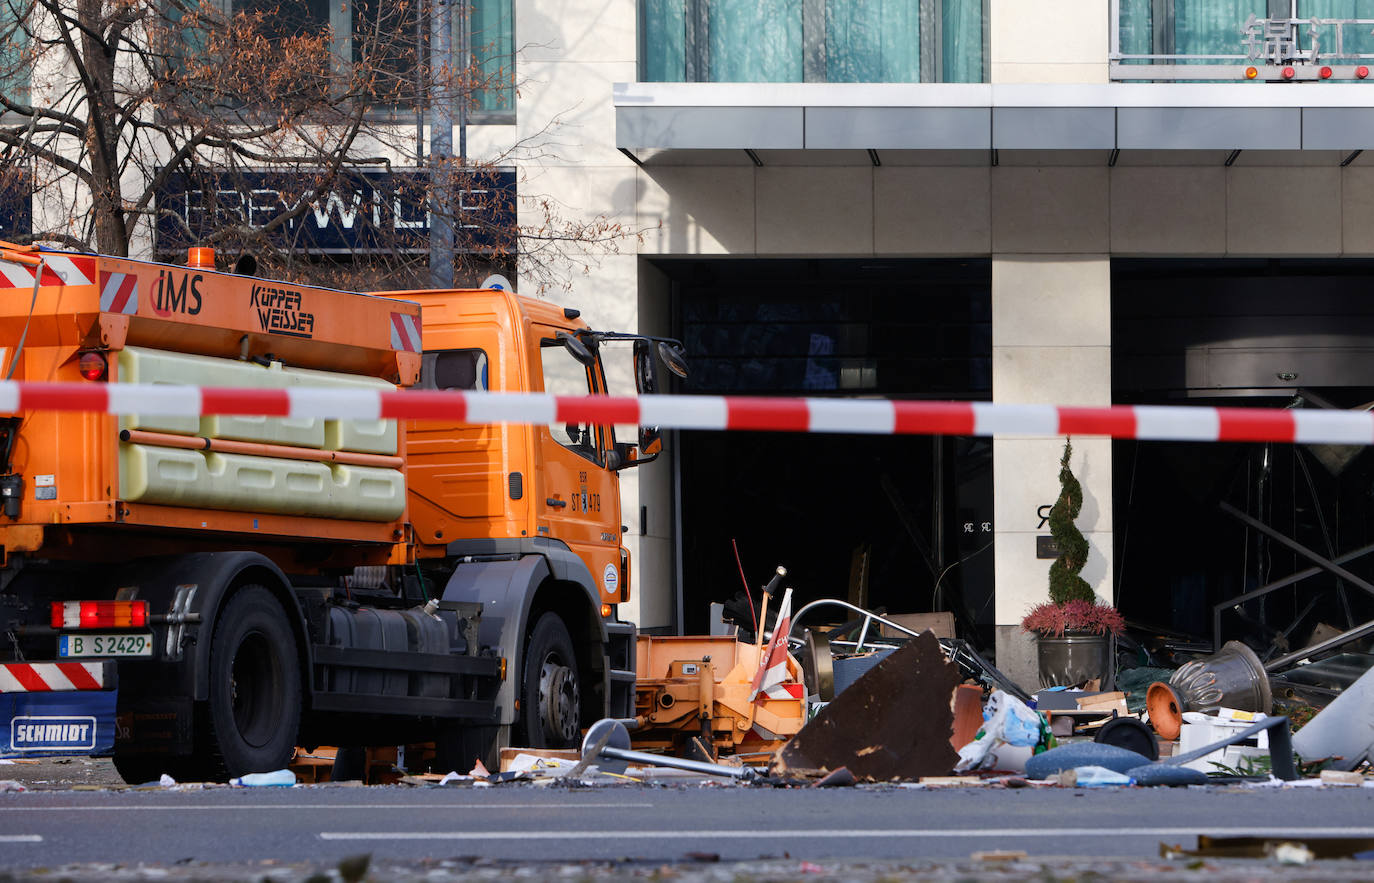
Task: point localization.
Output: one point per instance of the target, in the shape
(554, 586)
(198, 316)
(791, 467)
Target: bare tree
(262, 129)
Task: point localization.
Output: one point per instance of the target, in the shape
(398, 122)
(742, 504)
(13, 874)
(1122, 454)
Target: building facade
(1086, 202)
(1082, 205)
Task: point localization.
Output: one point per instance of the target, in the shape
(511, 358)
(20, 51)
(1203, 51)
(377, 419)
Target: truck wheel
(255, 690)
(550, 696)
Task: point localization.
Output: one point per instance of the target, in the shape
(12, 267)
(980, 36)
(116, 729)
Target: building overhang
(671, 122)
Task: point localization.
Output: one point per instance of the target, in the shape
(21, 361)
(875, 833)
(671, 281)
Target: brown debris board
(892, 723)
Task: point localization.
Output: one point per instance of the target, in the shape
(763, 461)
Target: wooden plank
(941, 623)
(509, 754)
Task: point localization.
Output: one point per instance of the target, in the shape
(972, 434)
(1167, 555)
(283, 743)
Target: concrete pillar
(646, 492)
(1051, 336)
(1031, 41)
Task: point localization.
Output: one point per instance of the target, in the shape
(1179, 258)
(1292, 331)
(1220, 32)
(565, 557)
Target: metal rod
(1302, 550)
(678, 763)
(797, 617)
(863, 633)
(1344, 637)
(1219, 608)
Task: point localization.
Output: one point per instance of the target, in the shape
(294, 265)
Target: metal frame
(1329, 565)
(956, 650)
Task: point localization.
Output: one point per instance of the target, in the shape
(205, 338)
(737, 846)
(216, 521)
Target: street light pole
(441, 144)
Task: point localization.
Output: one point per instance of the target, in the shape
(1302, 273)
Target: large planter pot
(1071, 659)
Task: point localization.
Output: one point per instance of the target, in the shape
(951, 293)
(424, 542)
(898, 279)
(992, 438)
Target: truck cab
(538, 505)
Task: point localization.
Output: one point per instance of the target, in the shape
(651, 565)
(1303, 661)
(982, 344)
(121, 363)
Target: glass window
(393, 35)
(284, 20)
(1342, 42)
(14, 41)
(872, 41)
(492, 26)
(565, 376)
(794, 41)
(454, 369)
(1214, 27)
(755, 41)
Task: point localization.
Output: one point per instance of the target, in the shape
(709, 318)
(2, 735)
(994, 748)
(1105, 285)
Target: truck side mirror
(647, 355)
(577, 348)
(671, 355)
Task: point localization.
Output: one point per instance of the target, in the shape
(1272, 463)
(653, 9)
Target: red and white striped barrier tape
(870, 416)
(43, 677)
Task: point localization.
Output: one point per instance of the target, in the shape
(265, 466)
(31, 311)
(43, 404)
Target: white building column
(1051, 336)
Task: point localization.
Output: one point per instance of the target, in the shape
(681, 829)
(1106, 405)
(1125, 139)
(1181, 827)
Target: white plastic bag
(1010, 732)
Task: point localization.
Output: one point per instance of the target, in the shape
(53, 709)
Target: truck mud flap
(621, 677)
(56, 723)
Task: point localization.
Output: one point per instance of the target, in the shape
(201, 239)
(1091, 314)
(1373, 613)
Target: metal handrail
(957, 651)
(867, 615)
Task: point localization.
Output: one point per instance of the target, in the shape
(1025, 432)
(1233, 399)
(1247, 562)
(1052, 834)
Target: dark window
(454, 369)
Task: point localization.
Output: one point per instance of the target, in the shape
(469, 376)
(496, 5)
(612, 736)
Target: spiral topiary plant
(1065, 583)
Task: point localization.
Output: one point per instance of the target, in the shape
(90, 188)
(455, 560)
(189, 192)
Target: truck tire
(550, 694)
(254, 708)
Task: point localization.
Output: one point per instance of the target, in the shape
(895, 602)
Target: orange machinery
(692, 697)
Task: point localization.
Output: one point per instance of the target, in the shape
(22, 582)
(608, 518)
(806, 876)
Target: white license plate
(94, 644)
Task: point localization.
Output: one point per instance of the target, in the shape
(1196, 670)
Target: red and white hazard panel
(118, 293)
(43, 677)
(58, 269)
(405, 332)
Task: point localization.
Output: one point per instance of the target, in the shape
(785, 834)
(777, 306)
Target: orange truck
(201, 594)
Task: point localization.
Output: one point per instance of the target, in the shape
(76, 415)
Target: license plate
(105, 645)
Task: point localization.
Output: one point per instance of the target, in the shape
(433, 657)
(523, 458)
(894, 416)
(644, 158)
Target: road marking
(21, 838)
(868, 833)
(331, 806)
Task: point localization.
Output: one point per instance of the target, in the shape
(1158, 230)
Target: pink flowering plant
(1082, 617)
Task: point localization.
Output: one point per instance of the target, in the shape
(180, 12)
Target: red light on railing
(1325, 73)
(1361, 72)
(1288, 73)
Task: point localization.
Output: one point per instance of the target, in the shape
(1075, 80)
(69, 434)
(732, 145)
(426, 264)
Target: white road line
(867, 833)
(21, 838)
(483, 807)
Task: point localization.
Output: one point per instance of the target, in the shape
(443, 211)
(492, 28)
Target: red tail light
(1289, 73)
(93, 366)
(99, 614)
(1326, 73)
(1361, 72)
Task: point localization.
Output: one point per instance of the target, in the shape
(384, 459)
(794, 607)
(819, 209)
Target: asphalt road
(528, 823)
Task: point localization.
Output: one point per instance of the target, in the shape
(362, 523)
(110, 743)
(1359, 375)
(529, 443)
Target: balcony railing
(1233, 40)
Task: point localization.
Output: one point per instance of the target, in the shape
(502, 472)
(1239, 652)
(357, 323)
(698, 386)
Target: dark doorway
(1257, 333)
(908, 516)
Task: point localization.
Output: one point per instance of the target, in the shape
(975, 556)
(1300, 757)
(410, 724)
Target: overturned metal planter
(1232, 678)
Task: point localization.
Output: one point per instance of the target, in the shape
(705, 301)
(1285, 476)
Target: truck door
(581, 499)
